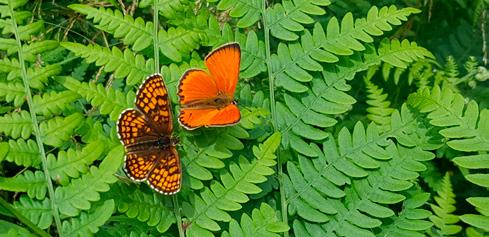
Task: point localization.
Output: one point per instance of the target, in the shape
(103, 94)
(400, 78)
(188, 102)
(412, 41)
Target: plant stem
(156, 47)
(273, 110)
(35, 125)
(23, 219)
(176, 210)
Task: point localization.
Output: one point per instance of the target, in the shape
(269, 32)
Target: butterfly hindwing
(166, 176)
(194, 118)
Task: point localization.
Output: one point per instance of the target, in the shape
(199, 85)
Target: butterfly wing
(166, 176)
(198, 86)
(223, 64)
(195, 118)
(152, 100)
(133, 129)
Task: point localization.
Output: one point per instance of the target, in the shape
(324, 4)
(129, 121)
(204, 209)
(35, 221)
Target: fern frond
(412, 220)
(79, 194)
(71, 163)
(135, 32)
(149, 208)
(263, 222)
(25, 31)
(23, 153)
(110, 101)
(213, 203)
(252, 54)
(443, 219)
(123, 64)
(379, 110)
(16, 125)
(399, 53)
(11, 67)
(88, 223)
(463, 123)
(312, 188)
(12, 91)
(32, 183)
(30, 51)
(249, 12)
(58, 130)
(176, 42)
(202, 156)
(168, 8)
(53, 103)
(286, 19)
(39, 212)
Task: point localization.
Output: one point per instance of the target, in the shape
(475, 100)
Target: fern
(263, 222)
(132, 31)
(444, 220)
(39, 212)
(287, 18)
(208, 155)
(212, 203)
(31, 182)
(72, 163)
(148, 208)
(53, 103)
(79, 194)
(379, 110)
(123, 64)
(88, 223)
(23, 153)
(109, 100)
(463, 123)
(249, 12)
(58, 130)
(16, 125)
(12, 92)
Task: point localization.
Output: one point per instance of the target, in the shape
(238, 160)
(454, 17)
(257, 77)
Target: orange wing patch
(133, 128)
(208, 99)
(138, 166)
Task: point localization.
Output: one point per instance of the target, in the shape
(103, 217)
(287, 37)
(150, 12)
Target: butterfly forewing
(223, 64)
(152, 100)
(133, 128)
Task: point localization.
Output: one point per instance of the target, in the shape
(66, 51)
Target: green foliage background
(359, 118)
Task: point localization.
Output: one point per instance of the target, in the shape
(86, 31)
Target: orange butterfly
(207, 99)
(146, 133)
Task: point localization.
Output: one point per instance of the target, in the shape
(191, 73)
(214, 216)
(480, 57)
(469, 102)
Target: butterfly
(146, 133)
(207, 98)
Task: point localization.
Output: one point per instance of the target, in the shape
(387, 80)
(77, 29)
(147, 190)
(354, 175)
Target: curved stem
(273, 110)
(156, 47)
(23, 219)
(176, 210)
(35, 125)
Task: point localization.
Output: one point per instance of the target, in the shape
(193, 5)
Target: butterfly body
(146, 133)
(207, 98)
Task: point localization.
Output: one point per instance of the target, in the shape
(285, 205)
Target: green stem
(273, 109)
(35, 124)
(23, 219)
(176, 210)
(156, 48)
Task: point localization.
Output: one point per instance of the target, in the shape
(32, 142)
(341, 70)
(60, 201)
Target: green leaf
(53, 103)
(39, 212)
(58, 130)
(88, 223)
(34, 183)
(16, 125)
(71, 163)
(79, 193)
